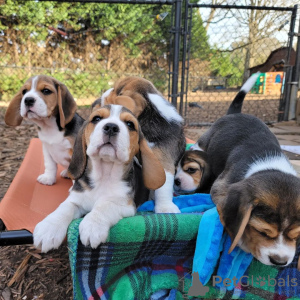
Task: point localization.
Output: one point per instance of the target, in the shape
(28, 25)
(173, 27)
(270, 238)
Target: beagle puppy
(108, 183)
(193, 173)
(161, 125)
(48, 103)
(256, 191)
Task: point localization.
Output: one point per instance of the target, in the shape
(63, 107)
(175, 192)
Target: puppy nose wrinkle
(29, 101)
(111, 129)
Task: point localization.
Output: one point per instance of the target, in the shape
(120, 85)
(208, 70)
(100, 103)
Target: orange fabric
(27, 201)
(189, 141)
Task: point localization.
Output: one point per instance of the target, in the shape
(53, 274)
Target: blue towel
(211, 241)
(186, 203)
(207, 253)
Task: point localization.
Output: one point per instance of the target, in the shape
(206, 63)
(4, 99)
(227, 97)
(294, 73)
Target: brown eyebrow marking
(101, 112)
(293, 233)
(263, 226)
(128, 116)
(42, 84)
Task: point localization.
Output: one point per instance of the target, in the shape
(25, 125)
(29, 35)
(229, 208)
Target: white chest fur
(54, 141)
(108, 186)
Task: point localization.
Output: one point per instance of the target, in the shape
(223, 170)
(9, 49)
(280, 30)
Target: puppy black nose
(111, 129)
(29, 101)
(177, 182)
(278, 260)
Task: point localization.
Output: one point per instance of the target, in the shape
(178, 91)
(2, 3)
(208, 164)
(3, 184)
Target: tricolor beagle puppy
(48, 103)
(108, 183)
(257, 191)
(161, 125)
(193, 173)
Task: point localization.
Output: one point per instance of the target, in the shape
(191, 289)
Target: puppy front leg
(49, 176)
(164, 196)
(50, 233)
(95, 226)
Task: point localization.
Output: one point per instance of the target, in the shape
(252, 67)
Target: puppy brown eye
(191, 170)
(96, 119)
(24, 92)
(46, 92)
(130, 125)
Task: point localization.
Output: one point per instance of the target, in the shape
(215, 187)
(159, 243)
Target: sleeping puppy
(48, 103)
(107, 181)
(161, 125)
(193, 173)
(257, 191)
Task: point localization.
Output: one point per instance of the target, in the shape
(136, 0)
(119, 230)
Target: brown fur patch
(50, 100)
(133, 134)
(165, 159)
(103, 113)
(269, 199)
(271, 230)
(153, 172)
(219, 192)
(128, 92)
(293, 233)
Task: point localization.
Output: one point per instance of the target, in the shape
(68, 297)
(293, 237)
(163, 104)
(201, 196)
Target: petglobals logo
(254, 281)
(198, 289)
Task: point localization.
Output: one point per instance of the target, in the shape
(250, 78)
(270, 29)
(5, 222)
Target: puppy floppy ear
(235, 211)
(12, 115)
(243, 223)
(127, 102)
(79, 158)
(66, 104)
(153, 173)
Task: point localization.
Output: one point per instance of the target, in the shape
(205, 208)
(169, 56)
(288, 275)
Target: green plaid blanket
(143, 254)
(154, 252)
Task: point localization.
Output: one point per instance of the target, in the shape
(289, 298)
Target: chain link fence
(240, 40)
(89, 45)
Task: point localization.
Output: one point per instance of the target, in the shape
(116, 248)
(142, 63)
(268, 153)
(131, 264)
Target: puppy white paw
(46, 179)
(92, 231)
(49, 234)
(167, 208)
(64, 173)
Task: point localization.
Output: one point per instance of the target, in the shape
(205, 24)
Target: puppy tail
(237, 103)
